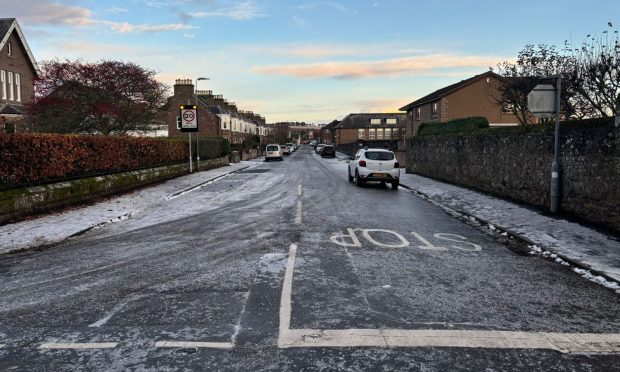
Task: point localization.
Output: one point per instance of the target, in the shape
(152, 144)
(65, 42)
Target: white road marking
(427, 245)
(285, 301)
(2, 345)
(299, 189)
(298, 214)
(78, 345)
(354, 240)
(196, 344)
(563, 342)
(403, 242)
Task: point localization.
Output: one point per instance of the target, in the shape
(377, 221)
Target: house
(370, 130)
(18, 69)
(216, 116)
(470, 97)
(328, 133)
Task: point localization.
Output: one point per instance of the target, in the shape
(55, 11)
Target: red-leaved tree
(106, 97)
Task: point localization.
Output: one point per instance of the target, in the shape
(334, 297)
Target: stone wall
(518, 166)
(25, 201)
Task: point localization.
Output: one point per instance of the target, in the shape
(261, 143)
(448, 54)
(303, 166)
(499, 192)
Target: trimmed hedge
(465, 125)
(212, 147)
(27, 159)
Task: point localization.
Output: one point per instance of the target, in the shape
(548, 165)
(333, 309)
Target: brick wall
(208, 123)
(19, 63)
(518, 166)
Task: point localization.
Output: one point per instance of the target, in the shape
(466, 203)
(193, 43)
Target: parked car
(374, 165)
(291, 146)
(285, 150)
(318, 148)
(313, 143)
(273, 151)
(328, 151)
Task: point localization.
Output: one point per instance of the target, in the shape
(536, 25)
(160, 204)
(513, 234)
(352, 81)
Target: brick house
(373, 130)
(18, 69)
(470, 97)
(328, 133)
(216, 116)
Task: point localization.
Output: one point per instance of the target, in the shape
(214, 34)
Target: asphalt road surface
(289, 267)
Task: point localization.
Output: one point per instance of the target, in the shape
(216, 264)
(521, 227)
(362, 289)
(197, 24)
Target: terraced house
(18, 69)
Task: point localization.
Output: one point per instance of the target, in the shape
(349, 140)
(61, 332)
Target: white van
(273, 151)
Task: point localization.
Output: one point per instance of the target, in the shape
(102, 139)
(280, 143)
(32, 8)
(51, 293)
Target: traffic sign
(189, 118)
(541, 101)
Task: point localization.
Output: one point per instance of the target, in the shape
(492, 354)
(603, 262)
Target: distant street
(287, 266)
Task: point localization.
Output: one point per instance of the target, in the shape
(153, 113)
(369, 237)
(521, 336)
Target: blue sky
(311, 61)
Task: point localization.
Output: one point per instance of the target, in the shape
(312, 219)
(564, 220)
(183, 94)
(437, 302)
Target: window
(434, 109)
(9, 48)
(3, 80)
(11, 96)
(391, 121)
(18, 87)
(371, 134)
(388, 133)
(375, 121)
(361, 133)
(418, 112)
(379, 155)
(379, 133)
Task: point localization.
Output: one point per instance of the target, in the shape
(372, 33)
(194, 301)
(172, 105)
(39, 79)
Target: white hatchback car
(374, 165)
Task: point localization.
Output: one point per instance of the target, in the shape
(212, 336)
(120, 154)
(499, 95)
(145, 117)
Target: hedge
(27, 159)
(212, 147)
(465, 125)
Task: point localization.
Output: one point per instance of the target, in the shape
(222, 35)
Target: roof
(440, 93)
(363, 120)
(7, 26)
(331, 125)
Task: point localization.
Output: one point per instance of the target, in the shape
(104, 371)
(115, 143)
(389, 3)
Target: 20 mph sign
(189, 118)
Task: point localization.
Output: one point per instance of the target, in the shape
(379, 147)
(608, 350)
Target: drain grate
(255, 351)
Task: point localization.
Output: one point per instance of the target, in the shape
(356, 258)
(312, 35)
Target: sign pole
(556, 167)
(190, 151)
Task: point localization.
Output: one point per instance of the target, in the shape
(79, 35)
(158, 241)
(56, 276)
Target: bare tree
(596, 75)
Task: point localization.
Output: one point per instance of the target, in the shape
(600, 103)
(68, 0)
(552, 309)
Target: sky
(312, 61)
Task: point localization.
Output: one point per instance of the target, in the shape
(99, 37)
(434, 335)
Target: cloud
(325, 4)
(372, 69)
(50, 13)
(118, 10)
(124, 27)
(241, 11)
(318, 51)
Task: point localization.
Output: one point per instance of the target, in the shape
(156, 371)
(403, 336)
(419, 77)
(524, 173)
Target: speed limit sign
(189, 118)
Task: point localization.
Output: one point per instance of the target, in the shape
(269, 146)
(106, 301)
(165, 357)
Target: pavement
(549, 236)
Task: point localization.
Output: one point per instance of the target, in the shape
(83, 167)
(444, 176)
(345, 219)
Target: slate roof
(363, 121)
(446, 90)
(331, 125)
(7, 26)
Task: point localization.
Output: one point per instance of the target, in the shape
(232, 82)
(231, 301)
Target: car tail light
(362, 163)
(396, 165)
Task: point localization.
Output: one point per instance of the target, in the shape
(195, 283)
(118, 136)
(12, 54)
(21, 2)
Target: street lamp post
(197, 134)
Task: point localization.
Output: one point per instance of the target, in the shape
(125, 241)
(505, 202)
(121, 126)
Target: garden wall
(517, 165)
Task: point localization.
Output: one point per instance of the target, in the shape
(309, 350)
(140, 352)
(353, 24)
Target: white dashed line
(299, 190)
(563, 342)
(78, 345)
(298, 214)
(195, 344)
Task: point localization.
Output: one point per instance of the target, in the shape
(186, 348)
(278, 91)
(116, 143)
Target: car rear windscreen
(272, 148)
(379, 155)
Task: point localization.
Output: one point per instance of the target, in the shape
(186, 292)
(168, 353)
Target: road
(287, 266)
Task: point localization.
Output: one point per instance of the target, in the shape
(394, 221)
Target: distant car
(313, 143)
(291, 146)
(374, 165)
(273, 151)
(318, 148)
(285, 150)
(328, 151)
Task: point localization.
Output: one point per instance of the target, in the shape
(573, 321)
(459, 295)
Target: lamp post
(197, 134)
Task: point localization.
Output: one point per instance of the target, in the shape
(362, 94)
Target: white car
(273, 151)
(374, 165)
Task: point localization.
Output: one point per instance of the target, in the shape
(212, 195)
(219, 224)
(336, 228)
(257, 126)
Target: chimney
(183, 87)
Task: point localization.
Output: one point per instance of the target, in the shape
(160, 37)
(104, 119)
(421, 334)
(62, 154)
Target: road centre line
(299, 190)
(563, 342)
(78, 345)
(298, 214)
(194, 344)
